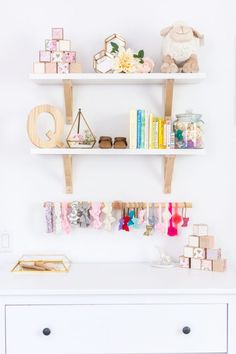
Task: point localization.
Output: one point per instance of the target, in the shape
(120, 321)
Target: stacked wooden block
(57, 56)
(200, 253)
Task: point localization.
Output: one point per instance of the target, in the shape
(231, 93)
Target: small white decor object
(165, 260)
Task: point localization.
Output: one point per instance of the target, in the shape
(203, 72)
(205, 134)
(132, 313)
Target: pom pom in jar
(189, 131)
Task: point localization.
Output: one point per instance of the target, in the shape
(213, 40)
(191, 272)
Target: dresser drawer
(116, 329)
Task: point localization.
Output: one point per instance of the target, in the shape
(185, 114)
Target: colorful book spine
(133, 129)
(139, 127)
(143, 130)
(161, 129)
(172, 141)
(154, 131)
(168, 133)
(150, 122)
(156, 134)
(146, 143)
(164, 134)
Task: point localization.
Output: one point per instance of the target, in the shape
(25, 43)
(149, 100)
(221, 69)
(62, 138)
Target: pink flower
(146, 67)
(78, 137)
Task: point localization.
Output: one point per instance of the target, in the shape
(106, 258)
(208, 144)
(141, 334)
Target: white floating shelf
(118, 152)
(68, 80)
(114, 79)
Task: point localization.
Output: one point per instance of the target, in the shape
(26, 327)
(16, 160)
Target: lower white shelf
(162, 152)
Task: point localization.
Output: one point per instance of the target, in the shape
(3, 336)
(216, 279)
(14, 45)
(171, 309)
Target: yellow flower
(125, 62)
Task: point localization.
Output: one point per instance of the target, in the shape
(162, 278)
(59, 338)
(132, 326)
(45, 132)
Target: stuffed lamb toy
(180, 49)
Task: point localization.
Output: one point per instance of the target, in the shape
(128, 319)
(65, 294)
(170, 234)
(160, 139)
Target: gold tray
(42, 264)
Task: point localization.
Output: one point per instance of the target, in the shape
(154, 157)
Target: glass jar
(189, 130)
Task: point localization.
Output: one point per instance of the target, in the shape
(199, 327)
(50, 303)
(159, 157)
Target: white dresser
(118, 309)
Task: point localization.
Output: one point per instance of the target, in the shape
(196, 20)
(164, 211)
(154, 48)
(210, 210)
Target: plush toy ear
(198, 35)
(165, 31)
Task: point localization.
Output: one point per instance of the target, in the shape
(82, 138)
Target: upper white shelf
(114, 79)
(164, 152)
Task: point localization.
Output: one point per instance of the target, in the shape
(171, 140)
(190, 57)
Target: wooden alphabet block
(75, 68)
(69, 57)
(200, 229)
(57, 57)
(51, 68)
(219, 265)
(207, 241)
(63, 68)
(206, 265)
(199, 253)
(39, 68)
(193, 241)
(184, 262)
(188, 251)
(64, 45)
(57, 33)
(44, 56)
(196, 263)
(51, 44)
(213, 254)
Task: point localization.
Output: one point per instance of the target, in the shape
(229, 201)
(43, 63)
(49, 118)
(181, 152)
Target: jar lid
(189, 115)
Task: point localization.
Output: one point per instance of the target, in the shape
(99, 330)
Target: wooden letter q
(54, 137)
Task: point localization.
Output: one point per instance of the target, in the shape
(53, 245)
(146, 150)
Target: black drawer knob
(186, 330)
(46, 331)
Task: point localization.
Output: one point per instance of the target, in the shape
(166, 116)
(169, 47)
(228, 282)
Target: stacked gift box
(57, 56)
(200, 253)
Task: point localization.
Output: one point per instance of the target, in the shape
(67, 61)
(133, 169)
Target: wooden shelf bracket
(169, 88)
(68, 95)
(67, 160)
(169, 162)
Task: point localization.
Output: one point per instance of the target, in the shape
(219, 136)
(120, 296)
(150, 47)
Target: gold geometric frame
(112, 38)
(99, 58)
(73, 143)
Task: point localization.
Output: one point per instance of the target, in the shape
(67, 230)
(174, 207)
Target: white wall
(27, 181)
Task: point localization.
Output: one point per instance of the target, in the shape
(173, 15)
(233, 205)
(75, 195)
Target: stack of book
(150, 132)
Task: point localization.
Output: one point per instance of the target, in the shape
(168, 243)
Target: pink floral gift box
(69, 57)
(44, 56)
(57, 57)
(63, 68)
(51, 44)
(57, 33)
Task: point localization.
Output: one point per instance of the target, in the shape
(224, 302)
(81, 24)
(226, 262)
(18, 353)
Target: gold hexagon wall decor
(119, 42)
(103, 62)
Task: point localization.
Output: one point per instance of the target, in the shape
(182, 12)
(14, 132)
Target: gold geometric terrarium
(113, 43)
(103, 62)
(80, 135)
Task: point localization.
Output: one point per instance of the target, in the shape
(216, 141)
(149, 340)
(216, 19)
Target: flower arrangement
(126, 61)
(83, 139)
(116, 58)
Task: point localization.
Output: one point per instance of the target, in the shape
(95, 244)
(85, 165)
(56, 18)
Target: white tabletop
(117, 279)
